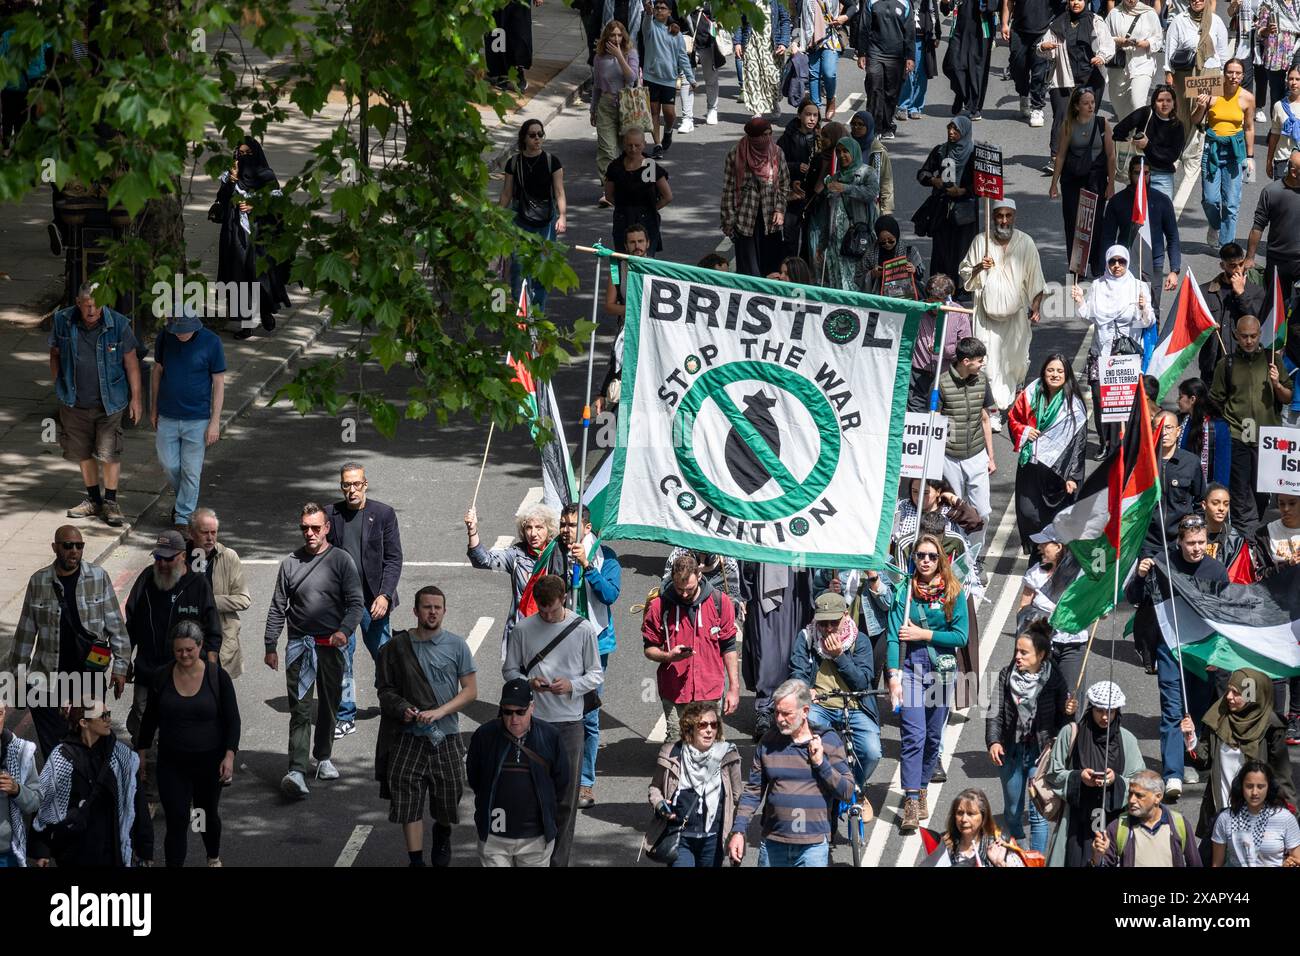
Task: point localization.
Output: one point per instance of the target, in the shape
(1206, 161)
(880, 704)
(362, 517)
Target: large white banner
(760, 419)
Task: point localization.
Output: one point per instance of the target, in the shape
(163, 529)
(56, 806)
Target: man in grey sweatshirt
(560, 681)
(20, 794)
(318, 595)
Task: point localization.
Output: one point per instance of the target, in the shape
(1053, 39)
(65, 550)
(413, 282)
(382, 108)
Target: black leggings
(185, 778)
(1270, 87)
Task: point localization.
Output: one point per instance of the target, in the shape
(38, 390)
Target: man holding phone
(689, 630)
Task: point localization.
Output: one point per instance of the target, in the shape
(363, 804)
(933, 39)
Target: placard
(988, 171)
(1279, 461)
(1083, 226)
(1121, 377)
(914, 445)
(1211, 81)
(896, 280)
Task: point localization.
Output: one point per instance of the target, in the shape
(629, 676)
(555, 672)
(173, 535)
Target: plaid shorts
(415, 766)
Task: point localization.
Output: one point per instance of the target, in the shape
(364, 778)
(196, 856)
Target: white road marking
(533, 497)
(659, 733)
(477, 633)
(354, 844)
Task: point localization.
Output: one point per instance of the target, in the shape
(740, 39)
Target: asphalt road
(274, 459)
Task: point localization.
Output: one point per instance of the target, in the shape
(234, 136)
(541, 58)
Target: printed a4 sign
(988, 171)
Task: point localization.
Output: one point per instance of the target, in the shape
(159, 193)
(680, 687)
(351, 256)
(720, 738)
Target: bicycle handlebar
(850, 694)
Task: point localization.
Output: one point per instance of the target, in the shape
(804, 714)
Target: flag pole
(1083, 669)
(491, 428)
(1114, 620)
(940, 339)
(1173, 605)
(945, 307)
(586, 405)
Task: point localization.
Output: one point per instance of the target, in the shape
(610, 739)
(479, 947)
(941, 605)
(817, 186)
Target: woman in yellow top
(1229, 155)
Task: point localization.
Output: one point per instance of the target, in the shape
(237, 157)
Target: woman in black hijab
(799, 146)
(245, 234)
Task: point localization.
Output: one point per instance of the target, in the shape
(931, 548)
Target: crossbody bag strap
(533, 755)
(540, 655)
(312, 566)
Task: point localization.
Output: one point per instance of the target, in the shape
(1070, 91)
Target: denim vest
(114, 391)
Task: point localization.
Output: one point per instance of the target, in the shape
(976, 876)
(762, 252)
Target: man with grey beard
(164, 593)
(1006, 275)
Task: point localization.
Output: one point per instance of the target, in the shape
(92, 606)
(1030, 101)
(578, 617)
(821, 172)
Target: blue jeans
(705, 851)
(865, 733)
(591, 739)
(1016, 770)
(922, 718)
(1163, 181)
(1173, 752)
(915, 84)
(771, 853)
(7, 859)
(536, 291)
(181, 444)
(1221, 196)
(823, 73)
(376, 635)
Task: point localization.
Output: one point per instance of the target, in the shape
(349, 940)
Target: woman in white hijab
(1119, 306)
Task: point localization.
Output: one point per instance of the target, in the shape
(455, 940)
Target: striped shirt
(792, 792)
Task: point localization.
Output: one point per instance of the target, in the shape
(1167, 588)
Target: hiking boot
(586, 798)
(111, 514)
(911, 816)
(924, 801)
(87, 509)
(1293, 729)
(940, 775)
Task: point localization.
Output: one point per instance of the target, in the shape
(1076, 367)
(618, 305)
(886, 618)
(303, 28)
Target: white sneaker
(1261, 116)
(687, 125)
(1024, 106)
(325, 770)
(1190, 776)
(1035, 118)
(1212, 237)
(1173, 789)
(712, 118)
(294, 785)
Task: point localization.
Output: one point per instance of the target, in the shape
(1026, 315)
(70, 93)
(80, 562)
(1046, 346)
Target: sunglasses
(72, 545)
(511, 712)
(1111, 262)
(1191, 523)
(707, 725)
(313, 528)
(537, 136)
(927, 556)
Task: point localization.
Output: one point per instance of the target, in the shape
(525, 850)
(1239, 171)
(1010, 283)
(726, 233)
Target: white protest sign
(1121, 377)
(914, 445)
(1279, 461)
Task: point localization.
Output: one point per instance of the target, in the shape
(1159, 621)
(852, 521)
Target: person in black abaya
(510, 45)
(778, 605)
(799, 146)
(950, 215)
(970, 52)
(246, 187)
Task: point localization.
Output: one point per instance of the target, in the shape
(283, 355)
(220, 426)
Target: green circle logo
(692, 364)
(799, 527)
(841, 326)
(759, 443)
(686, 501)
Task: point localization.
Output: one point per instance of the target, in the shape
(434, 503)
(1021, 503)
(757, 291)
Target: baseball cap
(168, 545)
(516, 693)
(830, 607)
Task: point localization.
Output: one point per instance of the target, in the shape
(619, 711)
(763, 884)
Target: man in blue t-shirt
(187, 388)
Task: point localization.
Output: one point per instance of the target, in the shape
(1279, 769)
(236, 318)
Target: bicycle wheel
(857, 836)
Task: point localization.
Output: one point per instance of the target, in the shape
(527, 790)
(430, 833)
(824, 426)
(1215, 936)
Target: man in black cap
(518, 770)
(186, 390)
(165, 592)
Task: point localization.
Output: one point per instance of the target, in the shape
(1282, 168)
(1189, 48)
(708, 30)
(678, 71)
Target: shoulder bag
(1120, 59)
(591, 699)
(634, 109)
(534, 212)
(666, 847)
(1046, 799)
(1079, 166)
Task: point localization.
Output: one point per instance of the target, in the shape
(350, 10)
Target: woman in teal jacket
(920, 674)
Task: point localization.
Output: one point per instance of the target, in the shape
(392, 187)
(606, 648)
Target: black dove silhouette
(746, 470)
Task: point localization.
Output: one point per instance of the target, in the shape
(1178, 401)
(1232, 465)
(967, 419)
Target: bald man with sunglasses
(71, 623)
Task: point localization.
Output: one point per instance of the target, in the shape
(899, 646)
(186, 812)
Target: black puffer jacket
(1050, 717)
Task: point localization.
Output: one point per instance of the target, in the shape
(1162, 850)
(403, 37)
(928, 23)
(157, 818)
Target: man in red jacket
(690, 632)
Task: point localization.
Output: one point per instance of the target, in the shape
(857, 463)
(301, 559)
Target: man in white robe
(1006, 276)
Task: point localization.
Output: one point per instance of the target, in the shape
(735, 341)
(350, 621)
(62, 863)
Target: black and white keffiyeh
(56, 787)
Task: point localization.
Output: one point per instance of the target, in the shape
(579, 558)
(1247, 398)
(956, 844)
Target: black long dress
(970, 52)
(240, 249)
(513, 46)
(798, 148)
(951, 240)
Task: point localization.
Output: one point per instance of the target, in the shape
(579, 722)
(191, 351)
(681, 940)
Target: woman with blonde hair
(614, 68)
(531, 555)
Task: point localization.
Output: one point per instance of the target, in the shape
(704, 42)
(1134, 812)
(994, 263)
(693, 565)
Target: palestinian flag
(1272, 332)
(558, 483)
(1105, 528)
(1235, 625)
(528, 603)
(1242, 569)
(594, 494)
(1186, 328)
